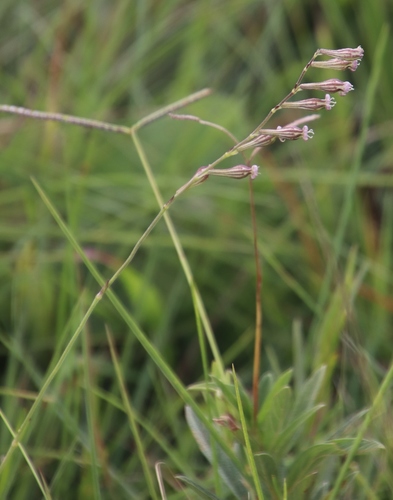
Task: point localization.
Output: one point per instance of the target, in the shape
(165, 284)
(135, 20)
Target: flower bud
(228, 421)
(237, 172)
(338, 64)
(347, 54)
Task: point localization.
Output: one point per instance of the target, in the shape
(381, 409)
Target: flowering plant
(276, 393)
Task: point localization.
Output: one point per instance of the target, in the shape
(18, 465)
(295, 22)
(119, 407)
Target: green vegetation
(145, 390)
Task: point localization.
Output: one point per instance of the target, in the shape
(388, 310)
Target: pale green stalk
(22, 429)
(39, 479)
(249, 454)
(131, 418)
(91, 417)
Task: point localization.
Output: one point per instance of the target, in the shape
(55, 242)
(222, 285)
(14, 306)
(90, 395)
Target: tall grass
(98, 401)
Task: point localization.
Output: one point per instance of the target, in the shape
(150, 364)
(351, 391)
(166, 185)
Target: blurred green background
(118, 61)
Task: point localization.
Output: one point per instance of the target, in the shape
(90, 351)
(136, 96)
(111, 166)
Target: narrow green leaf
(351, 423)
(292, 433)
(366, 445)
(269, 473)
(307, 461)
(202, 492)
(227, 469)
(281, 382)
(308, 393)
(229, 393)
(276, 419)
(265, 386)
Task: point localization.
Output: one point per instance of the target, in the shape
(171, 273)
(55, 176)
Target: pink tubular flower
(313, 103)
(289, 133)
(347, 54)
(332, 85)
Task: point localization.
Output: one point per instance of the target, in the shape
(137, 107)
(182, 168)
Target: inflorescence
(341, 59)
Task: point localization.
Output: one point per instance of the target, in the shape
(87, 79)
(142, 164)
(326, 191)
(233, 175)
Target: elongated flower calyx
(332, 85)
(237, 172)
(311, 104)
(347, 54)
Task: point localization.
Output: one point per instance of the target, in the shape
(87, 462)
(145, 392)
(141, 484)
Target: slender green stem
(250, 453)
(39, 478)
(89, 399)
(138, 244)
(131, 418)
(22, 429)
(179, 249)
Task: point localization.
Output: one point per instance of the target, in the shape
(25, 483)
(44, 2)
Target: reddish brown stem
(258, 312)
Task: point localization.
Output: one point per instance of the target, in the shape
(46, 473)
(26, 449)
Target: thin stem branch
(107, 127)
(204, 122)
(128, 260)
(199, 305)
(60, 117)
(171, 108)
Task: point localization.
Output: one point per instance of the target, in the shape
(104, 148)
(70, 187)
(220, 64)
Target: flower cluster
(341, 59)
(332, 85)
